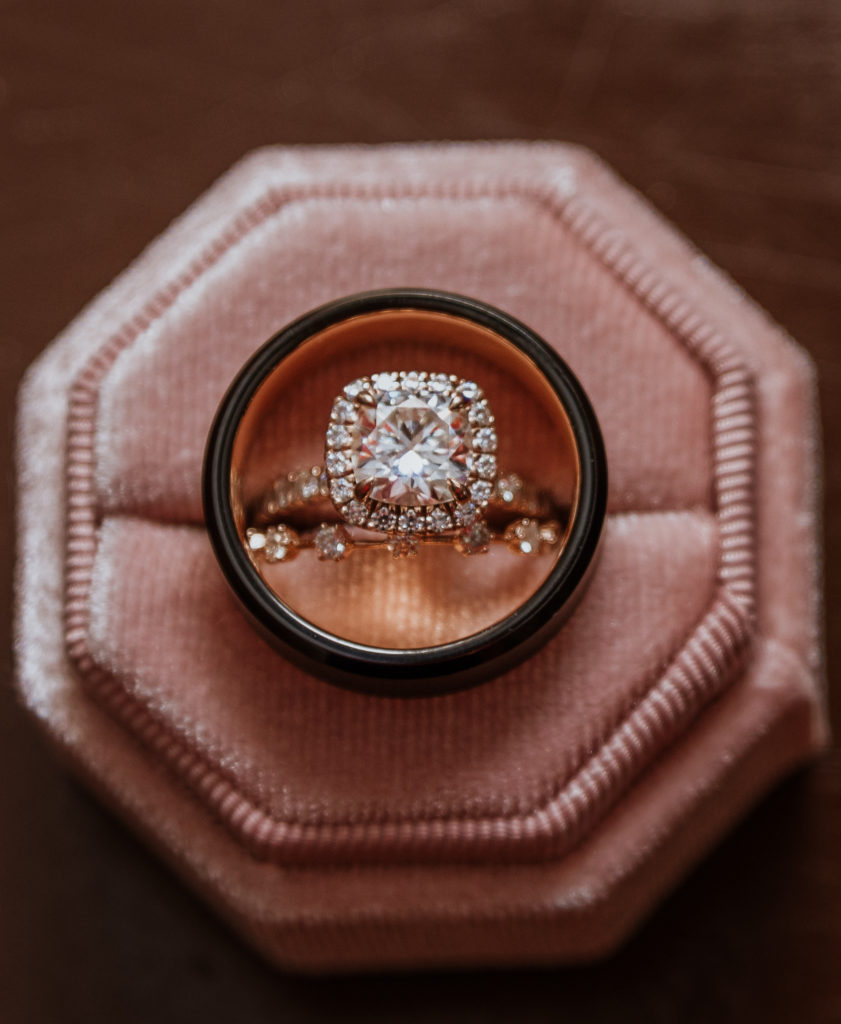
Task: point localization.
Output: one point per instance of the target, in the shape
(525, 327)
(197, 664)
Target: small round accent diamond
(481, 491)
(403, 547)
(480, 415)
(256, 540)
(355, 513)
(529, 536)
(276, 544)
(467, 391)
(385, 381)
(485, 466)
(412, 381)
(308, 487)
(550, 533)
(484, 440)
(341, 490)
(384, 519)
(343, 410)
(283, 494)
(473, 540)
(465, 514)
(524, 537)
(409, 522)
(332, 543)
(338, 463)
(439, 383)
(355, 388)
(338, 436)
(509, 488)
(438, 520)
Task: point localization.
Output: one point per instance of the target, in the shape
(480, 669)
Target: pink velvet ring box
(536, 817)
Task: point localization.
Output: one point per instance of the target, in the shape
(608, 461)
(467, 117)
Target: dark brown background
(113, 116)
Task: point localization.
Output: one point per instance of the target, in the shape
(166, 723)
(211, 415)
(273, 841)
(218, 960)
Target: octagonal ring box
(536, 817)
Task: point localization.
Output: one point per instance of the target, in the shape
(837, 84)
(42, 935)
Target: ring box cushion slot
(549, 781)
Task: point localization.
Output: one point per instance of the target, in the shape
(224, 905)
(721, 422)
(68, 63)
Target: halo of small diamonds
(411, 453)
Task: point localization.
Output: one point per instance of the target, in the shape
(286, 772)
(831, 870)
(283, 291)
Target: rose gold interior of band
(439, 596)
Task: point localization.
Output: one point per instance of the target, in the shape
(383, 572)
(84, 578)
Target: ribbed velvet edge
(701, 669)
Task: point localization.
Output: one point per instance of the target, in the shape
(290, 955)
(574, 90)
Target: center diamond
(409, 449)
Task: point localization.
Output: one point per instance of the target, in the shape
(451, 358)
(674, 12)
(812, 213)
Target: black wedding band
(426, 669)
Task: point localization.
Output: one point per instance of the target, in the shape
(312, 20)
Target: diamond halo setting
(407, 451)
(410, 456)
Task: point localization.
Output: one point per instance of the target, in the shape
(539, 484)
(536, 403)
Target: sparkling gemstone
(338, 463)
(343, 410)
(473, 540)
(410, 447)
(480, 414)
(384, 519)
(409, 522)
(341, 490)
(281, 544)
(309, 487)
(486, 466)
(481, 491)
(439, 520)
(468, 391)
(465, 514)
(485, 440)
(385, 381)
(356, 513)
(332, 543)
(550, 533)
(525, 537)
(403, 547)
(509, 488)
(355, 387)
(283, 495)
(412, 381)
(338, 436)
(256, 540)
(440, 383)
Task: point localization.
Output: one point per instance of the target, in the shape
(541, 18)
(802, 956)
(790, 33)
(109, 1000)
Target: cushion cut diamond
(410, 445)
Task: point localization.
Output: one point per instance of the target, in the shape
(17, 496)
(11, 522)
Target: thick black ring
(428, 670)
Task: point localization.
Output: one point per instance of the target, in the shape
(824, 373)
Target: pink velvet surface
(652, 398)
(310, 753)
(375, 818)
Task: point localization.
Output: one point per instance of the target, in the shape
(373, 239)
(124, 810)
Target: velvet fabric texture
(536, 817)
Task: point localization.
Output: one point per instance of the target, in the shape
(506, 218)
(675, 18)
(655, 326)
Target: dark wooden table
(113, 116)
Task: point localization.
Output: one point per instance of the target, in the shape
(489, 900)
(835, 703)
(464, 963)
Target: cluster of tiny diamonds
(296, 489)
(469, 496)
